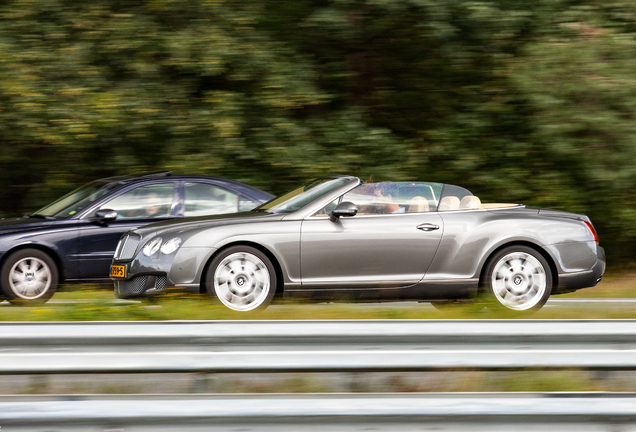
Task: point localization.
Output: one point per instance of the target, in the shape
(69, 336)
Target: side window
(153, 201)
(377, 198)
(203, 199)
(395, 197)
(366, 198)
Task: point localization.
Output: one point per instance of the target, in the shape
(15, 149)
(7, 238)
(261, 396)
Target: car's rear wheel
(518, 278)
(29, 276)
(242, 278)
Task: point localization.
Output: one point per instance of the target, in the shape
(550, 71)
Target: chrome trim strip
(449, 281)
(316, 287)
(580, 273)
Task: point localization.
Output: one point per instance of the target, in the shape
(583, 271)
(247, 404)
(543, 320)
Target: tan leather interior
(469, 202)
(418, 204)
(449, 203)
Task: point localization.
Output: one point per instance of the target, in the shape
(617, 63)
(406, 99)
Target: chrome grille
(127, 247)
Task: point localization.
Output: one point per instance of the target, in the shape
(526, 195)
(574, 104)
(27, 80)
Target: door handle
(427, 227)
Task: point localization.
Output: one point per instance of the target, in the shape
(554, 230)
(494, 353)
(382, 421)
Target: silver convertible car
(339, 238)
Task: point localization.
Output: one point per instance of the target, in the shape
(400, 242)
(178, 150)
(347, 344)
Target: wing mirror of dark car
(345, 208)
(104, 216)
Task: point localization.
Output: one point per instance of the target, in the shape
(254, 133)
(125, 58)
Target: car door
(368, 251)
(389, 243)
(135, 207)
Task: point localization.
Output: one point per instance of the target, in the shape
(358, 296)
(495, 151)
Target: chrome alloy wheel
(519, 281)
(30, 278)
(242, 281)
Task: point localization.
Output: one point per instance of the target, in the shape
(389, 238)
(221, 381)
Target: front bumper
(179, 272)
(140, 285)
(147, 285)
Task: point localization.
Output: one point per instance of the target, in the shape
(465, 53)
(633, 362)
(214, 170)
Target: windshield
(75, 201)
(298, 198)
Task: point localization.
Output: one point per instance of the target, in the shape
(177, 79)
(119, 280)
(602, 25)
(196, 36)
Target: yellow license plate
(118, 271)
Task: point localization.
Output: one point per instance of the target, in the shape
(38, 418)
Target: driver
(153, 205)
(383, 194)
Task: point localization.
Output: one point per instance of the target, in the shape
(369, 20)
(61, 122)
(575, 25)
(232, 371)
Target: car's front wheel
(242, 278)
(28, 276)
(518, 278)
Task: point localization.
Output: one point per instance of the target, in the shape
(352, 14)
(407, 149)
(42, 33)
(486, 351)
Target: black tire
(242, 279)
(28, 277)
(518, 279)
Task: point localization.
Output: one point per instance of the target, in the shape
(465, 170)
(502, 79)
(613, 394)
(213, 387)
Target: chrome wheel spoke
(235, 266)
(24, 266)
(516, 264)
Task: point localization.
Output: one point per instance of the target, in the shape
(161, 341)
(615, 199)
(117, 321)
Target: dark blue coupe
(74, 238)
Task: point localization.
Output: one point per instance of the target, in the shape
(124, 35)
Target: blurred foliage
(519, 101)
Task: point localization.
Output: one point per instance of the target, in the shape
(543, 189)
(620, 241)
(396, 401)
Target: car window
(395, 197)
(203, 199)
(152, 201)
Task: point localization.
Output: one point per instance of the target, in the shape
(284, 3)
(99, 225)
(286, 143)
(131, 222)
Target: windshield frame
(339, 185)
(349, 182)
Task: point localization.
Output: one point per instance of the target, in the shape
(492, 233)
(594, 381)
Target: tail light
(592, 230)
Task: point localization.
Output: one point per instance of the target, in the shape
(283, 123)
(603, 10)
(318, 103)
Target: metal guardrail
(316, 346)
(382, 412)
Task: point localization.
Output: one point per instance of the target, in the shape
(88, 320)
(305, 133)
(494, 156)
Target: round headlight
(152, 246)
(171, 245)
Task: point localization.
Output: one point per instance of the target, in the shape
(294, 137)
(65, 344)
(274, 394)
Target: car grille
(127, 247)
(133, 286)
(161, 282)
(137, 285)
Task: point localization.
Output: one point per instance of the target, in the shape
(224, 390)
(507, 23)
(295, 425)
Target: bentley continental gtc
(338, 238)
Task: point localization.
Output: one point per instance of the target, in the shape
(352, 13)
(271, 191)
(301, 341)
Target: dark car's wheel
(242, 278)
(29, 276)
(518, 278)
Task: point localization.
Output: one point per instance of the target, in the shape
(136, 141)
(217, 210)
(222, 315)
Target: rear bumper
(569, 282)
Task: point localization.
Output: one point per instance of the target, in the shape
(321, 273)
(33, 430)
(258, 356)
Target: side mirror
(104, 216)
(345, 208)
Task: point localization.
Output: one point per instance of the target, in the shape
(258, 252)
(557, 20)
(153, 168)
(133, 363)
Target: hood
(25, 223)
(177, 226)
